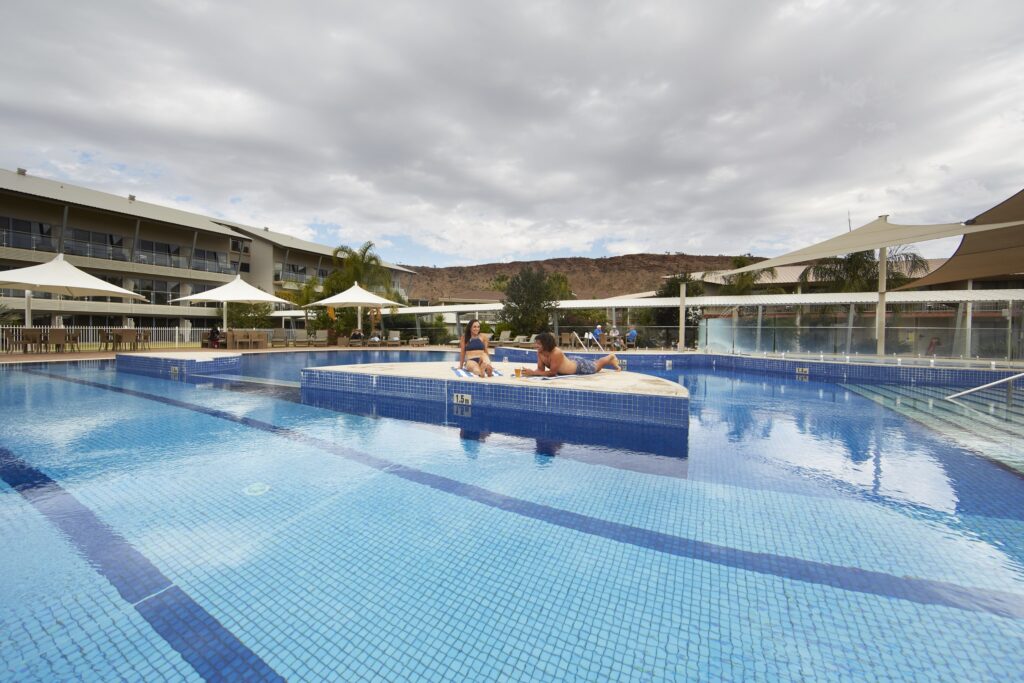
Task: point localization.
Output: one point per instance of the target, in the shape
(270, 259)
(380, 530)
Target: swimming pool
(176, 531)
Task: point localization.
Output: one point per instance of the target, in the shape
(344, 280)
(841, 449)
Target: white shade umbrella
(61, 278)
(356, 297)
(237, 291)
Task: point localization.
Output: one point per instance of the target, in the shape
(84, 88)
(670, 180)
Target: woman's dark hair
(546, 341)
(469, 329)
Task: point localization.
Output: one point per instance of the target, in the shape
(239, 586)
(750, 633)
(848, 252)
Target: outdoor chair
(566, 340)
(519, 339)
(419, 341)
(242, 339)
(302, 338)
(12, 341)
(374, 339)
(145, 337)
(320, 338)
(127, 340)
(504, 336)
(278, 337)
(59, 339)
(527, 343)
(73, 338)
(394, 338)
(342, 342)
(33, 340)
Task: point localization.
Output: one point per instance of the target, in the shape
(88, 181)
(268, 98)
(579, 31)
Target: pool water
(159, 530)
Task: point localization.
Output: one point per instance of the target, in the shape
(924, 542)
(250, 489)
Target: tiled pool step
(979, 426)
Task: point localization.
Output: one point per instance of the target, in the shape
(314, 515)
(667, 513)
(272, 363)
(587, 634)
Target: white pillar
(682, 317)
(757, 344)
(968, 318)
(28, 308)
(883, 266)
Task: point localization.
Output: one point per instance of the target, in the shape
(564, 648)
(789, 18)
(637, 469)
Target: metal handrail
(985, 386)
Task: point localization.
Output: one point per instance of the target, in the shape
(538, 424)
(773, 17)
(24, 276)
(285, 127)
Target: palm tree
(858, 272)
(747, 283)
(360, 265)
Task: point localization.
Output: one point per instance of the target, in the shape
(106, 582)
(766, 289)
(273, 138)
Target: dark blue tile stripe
(213, 651)
(922, 591)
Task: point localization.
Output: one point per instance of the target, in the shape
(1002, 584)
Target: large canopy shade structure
(877, 234)
(237, 291)
(356, 297)
(61, 278)
(880, 234)
(993, 252)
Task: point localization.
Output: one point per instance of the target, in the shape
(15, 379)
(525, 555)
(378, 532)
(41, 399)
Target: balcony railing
(102, 251)
(21, 240)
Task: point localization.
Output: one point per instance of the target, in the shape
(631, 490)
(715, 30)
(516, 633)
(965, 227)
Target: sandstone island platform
(623, 397)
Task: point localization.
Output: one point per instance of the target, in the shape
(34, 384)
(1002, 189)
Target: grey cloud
(547, 127)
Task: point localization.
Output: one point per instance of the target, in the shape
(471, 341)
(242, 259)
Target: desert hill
(589, 278)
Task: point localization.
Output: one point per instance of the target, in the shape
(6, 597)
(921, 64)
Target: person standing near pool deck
(552, 361)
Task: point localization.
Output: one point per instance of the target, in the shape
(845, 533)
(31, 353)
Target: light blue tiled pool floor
(327, 566)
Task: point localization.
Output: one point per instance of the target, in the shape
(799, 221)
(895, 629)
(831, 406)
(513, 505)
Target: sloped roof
(74, 195)
(94, 199)
(286, 241)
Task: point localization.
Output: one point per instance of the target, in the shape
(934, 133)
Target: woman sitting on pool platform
(552, 361)
(473, 354)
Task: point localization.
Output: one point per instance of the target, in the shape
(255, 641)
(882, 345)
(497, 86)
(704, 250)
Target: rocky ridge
(589, 278)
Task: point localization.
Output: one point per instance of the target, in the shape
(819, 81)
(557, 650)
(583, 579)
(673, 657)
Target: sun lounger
(278, 337)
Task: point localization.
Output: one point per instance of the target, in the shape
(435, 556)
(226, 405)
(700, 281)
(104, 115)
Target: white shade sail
(356, 296)
(876, 234)
(60, 277)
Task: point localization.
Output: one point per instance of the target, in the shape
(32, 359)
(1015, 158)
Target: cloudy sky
(479, 131)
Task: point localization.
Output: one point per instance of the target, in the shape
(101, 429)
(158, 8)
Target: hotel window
(160, 254)
(23, 234)
(295, 273)
(211, 261)
(95, 244)
(158, 291)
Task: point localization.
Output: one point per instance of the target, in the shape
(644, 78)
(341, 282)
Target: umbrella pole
(359, 315)
(28, 308)
(225, 315)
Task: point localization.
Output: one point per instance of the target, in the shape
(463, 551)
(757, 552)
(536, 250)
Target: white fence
(93, 338)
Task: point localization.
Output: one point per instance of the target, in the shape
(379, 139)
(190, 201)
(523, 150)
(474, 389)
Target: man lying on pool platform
(552, 361)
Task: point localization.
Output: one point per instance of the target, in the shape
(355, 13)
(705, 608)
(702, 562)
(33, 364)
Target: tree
(250, 316)
(528, 301)
(360, 265)
(558, 287)
(668, 318)
(498, 283)
(858, 272)
(749, 282)
(8, 316)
